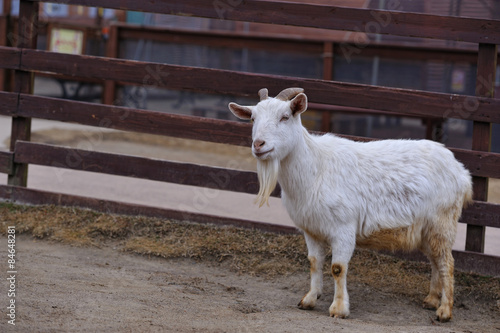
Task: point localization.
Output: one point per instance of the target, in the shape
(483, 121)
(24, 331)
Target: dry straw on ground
(244, 251)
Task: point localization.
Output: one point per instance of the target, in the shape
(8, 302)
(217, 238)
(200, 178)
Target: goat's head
(276, 128)
(275, 122)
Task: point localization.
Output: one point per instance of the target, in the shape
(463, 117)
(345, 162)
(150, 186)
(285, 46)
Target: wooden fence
(22, 105)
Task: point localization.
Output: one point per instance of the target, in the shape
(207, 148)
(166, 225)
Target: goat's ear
(298, 104)
(242, 112)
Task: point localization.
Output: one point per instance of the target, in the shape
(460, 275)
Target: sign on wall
(64, 40)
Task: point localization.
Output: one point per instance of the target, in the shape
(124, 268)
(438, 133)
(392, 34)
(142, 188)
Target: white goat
(389, 194)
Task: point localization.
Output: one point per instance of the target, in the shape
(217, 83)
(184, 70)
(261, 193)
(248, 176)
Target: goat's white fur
(389, 194)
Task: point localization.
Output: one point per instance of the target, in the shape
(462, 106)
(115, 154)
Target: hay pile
(245, 251)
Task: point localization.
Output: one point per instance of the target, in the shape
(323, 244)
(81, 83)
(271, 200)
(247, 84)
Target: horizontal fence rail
(319, 16)
(480, 213)
(6, 162)
(149, 74)
(479, 163)
(137, 167)
(122, 118)
(39, 197)
(294, 44)
(188, 127)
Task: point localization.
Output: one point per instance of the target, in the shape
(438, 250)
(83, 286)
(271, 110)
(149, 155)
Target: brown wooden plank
(481, 136)
(106, 116)
(6, 162)
(321, 16)
(405, 101)
(23, 83)
(482, 164)
(290, 43)
(38, 197)
(478, 214)
(236, 133)
(8, 103)
(112, 47)
(227, 39)
(478, 263)
(138, 167)
(10, 58)
(464, 261)
(482, 214)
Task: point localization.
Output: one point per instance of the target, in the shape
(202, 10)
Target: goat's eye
(252, 119)
(284, 118)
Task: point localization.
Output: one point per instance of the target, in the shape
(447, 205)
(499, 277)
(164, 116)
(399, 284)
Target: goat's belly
(405, 238)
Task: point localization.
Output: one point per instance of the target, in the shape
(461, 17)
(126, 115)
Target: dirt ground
(79, 270)
(72, 289)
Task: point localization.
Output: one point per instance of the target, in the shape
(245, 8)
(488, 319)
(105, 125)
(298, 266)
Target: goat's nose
(257, 144)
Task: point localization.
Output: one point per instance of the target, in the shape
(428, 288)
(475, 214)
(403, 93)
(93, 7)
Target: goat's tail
(468, 194)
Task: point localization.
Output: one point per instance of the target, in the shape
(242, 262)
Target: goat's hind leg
(440, 297)
(432, 300)
(316, 256)
(445, 265)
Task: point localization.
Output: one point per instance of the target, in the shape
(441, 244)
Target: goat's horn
(263, 94)
(289, 93)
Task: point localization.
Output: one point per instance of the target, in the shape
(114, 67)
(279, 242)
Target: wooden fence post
(23, 83)
(5, 25)
(326, 117)
(109, 92)
(481, 137)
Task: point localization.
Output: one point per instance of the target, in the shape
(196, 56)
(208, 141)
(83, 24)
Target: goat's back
(385, 184)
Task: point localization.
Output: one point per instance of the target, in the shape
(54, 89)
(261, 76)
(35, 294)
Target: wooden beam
(328, 76)
(6, 162)
(112, 46)
(464, 261)
(223, 39)
(482, 214)
(404, 101)
(481, 136)
(391, 22)
(483, 164)
(137, 167)
(8, 103)
(478, 214)
(479, 163)
(23, 83)
(38, 197)
(10, 58)
(153, 122)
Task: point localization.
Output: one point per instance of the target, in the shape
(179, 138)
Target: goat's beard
(267, 171)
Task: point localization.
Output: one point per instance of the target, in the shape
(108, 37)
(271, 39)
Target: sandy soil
(77, 289)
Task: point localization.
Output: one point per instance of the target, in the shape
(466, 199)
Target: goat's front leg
(316, 256)
(342, 250)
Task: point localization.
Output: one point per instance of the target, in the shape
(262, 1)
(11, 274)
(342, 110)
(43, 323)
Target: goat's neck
(300, 168)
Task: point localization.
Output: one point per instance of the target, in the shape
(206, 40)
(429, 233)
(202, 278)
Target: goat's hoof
(303, 306)
(337, 311)
(444, 314)
(308, 302)
(431, 303)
